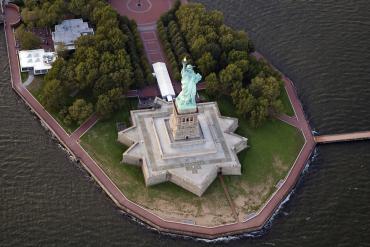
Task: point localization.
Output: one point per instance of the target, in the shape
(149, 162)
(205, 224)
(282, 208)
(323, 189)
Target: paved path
(254, 223)
(152, 46)
(228, 197)
(29, 79)
(88, 124)
(146, 16)
(289, 120)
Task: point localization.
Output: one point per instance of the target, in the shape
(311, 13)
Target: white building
(38, 61)
(164, 81)
(69, 31)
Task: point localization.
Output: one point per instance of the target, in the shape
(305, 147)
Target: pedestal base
(184, 126)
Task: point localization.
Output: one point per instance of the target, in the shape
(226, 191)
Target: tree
(80, 111)
(79, 7)
(109, 101)
(214, 49)
(268, 88)
(102, 67)
(104, 14)
(243, 65)
(212, 85)
(30, 17)
(231, 78)
(62, 51)
(225, 41)
(235, 56)
(241, 41)
(28, 40)
(197, 48)
(244, 101)
(115, 96)
(104, 106)
(51, 12)
(206, 64)
(64, 115)
(259, 113)
(54, 95)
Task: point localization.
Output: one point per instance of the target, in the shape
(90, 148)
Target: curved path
(71, 143)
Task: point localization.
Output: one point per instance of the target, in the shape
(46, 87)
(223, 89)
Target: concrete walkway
(29, 80)
(289, 120)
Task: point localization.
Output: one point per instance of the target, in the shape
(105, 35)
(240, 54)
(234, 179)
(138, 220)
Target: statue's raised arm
(186, 99)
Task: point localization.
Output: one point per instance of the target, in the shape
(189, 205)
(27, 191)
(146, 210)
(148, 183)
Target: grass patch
(274, 139)
(101, 142)
(36, 86)
(24, 76)
(287, 106)
(273, 148)
(36, 90)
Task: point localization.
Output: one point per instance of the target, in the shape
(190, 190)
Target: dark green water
(323, 46)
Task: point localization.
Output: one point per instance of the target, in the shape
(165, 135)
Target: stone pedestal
(184, 125)
(191, 163)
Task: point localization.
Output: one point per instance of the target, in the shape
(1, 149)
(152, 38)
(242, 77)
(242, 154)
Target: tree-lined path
(145, 13)
(146, 16)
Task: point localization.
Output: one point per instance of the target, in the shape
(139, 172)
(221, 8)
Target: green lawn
(287, 106)
(102, 140)
(101, 143)
(273, 148)
(36, 89)
(24, 76)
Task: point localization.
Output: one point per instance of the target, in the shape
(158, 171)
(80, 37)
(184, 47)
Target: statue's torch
(184, 62)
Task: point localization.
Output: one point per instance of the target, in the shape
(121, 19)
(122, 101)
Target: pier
(347, 137)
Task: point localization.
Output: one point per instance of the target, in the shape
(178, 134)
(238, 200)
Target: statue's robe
(189, 82)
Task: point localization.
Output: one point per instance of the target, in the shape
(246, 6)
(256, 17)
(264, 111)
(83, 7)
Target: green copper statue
(185, 101)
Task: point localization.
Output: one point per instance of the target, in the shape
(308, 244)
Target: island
(180, 167)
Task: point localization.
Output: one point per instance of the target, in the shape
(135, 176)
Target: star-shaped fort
(182, 141)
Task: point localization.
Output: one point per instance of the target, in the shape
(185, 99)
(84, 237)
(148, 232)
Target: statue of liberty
(189, 79)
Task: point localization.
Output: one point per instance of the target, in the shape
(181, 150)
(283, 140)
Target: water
(45, 199)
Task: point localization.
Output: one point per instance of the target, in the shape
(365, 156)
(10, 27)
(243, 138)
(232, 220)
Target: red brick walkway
(152, 46)
(146, 16)
(88, 124)
(254, 223)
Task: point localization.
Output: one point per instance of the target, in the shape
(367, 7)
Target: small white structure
(38, 61)
(69, 31)
(164, 81)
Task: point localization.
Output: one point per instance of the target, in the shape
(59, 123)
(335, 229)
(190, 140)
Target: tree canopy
(222, 56)
(28, 40)
(103, 66)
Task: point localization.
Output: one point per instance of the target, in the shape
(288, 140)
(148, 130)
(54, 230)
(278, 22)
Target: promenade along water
(47, 200)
